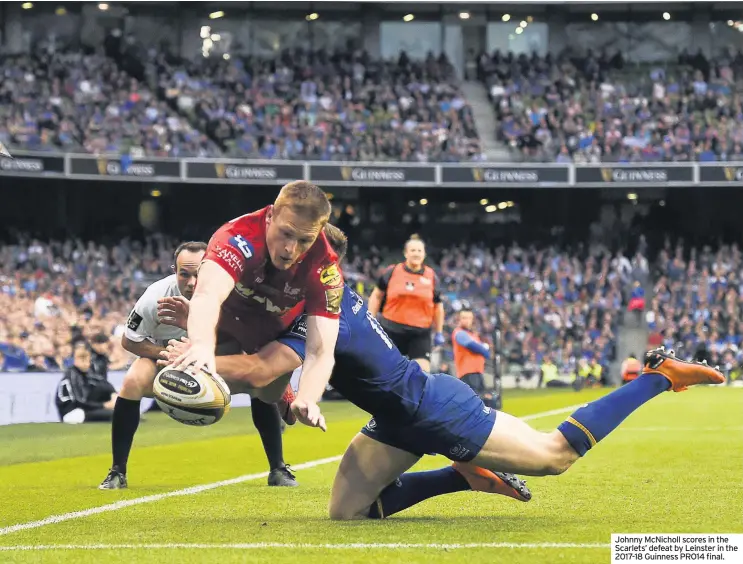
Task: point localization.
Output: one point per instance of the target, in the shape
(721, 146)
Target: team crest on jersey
(409, 286)
(330, 276)
(333, 299)
(134, 321)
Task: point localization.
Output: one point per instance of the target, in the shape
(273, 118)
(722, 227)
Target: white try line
(302, 546)
(202, 488)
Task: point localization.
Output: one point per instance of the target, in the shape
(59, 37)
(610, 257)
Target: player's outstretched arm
(215, 284)
(259, 370)
(322, 334)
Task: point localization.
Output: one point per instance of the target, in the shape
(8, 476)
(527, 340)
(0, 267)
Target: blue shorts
(451, 420)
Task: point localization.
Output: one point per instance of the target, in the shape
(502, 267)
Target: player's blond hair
(306, 200)
(414, 237)
(337, 240)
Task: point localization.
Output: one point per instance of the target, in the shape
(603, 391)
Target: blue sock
(591, 423)
(413, 487)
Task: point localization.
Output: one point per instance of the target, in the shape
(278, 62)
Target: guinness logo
(220, 169)
(477, 174)
(102, 166)
(606, 174)
(346, 173)
(733, 174)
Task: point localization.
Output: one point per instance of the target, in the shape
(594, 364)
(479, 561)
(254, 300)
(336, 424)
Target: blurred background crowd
(542, 89)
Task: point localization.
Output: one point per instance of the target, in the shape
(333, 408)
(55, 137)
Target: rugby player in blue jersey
(415, 413)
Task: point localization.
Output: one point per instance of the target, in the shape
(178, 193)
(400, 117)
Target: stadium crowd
(590, 108)
(696, 306)
(301, 105)
(550, 306)
(55, 293)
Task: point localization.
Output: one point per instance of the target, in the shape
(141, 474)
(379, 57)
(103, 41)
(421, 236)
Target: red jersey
(255, 312)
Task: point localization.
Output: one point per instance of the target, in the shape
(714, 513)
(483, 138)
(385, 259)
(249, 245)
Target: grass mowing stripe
(198, 489)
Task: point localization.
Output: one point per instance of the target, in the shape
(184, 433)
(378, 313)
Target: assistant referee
(408, 296)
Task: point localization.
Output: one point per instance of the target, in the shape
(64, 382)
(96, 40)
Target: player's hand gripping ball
(192, 398)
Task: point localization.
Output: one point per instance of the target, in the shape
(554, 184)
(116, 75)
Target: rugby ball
(191, 398)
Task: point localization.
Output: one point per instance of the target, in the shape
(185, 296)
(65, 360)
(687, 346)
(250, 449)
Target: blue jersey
(369, 369)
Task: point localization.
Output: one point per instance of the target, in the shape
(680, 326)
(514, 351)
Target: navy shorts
(451, 420)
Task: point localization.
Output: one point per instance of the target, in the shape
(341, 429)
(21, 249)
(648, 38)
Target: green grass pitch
(675, 466)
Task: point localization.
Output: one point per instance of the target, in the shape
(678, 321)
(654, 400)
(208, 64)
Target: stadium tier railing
(447, 175)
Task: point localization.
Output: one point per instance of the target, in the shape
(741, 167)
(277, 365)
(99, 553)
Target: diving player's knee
(138, 380)
(560, 455)
(339, 511)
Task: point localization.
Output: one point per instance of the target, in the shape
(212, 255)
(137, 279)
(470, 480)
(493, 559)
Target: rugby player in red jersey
(256, 269)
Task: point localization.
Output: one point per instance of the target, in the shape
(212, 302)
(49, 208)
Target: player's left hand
(173, 310)
(309, 413)
(196, 358)
(438, 339)
(174, 350)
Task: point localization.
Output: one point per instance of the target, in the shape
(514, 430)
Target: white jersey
(143, 324)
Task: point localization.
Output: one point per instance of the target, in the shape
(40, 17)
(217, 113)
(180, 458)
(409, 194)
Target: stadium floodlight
(408, 18)
(502, 205)
(506, 17)
(423, 201)
(632, 196)
(312, 17)
(595, 17)
(27, 5)
(666, 16)
(491, 208)
(529, 19)
(205, 31)
(216, 15)
(523, 24)
(215, 37)
(484, 202)
(519, 30)
(103, 6)
(452, 205)
(411, 204)
(464, 15)
(60, 11)
(226, 56)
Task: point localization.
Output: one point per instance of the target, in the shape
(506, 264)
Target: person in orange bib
(631, 369)
(408, 297)
(469, 352)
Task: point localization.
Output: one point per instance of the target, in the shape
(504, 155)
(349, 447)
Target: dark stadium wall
(371, 216)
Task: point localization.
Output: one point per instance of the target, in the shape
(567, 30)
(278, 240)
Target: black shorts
(413, 344)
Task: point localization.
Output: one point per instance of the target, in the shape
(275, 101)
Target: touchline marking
(304, 546)
(202, 488)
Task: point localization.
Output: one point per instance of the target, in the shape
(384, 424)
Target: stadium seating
(594, 108)
(325, 107)
(696, 307)
(299, 106)
(52, 293)
(76, 102)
